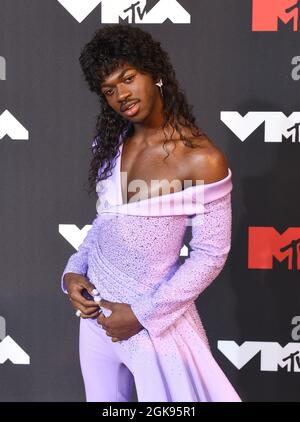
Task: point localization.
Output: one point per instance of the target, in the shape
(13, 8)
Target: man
(139, 95)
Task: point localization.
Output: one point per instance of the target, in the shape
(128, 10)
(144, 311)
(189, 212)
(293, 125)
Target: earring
(160, 84)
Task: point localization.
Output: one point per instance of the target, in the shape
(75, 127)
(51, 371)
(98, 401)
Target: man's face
(127, 86)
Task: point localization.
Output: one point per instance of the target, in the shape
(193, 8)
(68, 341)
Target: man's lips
(132, 111)
(126, 106)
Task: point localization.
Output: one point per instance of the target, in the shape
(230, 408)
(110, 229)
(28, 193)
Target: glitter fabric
(131, 254)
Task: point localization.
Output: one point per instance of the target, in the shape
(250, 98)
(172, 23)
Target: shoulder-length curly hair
(110, 47)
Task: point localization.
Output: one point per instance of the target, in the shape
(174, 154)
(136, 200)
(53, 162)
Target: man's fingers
(85, 284)
(116, 339)
(87, 311)
(113, 338)
(107, 304)
(94, 311)
(102, 319)
(84, 316)
(109, 334)
(77, 297)
(92, 316)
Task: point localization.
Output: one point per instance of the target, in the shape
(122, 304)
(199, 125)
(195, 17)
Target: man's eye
(129, 78)
(109, 92)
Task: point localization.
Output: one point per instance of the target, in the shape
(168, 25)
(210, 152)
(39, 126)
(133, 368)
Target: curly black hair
(110, 47)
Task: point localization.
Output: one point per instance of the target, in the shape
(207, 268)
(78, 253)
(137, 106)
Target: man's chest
(146, 172)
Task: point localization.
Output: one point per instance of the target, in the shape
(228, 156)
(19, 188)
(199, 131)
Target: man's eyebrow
(118, 77)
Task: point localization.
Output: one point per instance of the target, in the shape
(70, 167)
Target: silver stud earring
(160, 84)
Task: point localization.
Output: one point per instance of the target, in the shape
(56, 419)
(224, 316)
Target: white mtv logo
(272, 354)
(73, 234)
(276, 124)
(10, 126)
(133, 10)
(9, 349)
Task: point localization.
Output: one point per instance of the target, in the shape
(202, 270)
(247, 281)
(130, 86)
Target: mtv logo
(9, 349)
(265, 244)
(73, 234)
(10, 126)
(79, 9)
(272, 354)
(266, 14)
(131, 10)
(276, 123)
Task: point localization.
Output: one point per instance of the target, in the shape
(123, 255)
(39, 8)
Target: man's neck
(149, 136)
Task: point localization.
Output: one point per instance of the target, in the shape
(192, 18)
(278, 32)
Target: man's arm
(210, 245)
(78, 261)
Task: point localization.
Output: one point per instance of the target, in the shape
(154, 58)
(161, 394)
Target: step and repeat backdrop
(238, 63)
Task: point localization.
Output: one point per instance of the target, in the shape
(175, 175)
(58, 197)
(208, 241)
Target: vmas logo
(9, 349)
(9, 125)
(277, 126)
(139, 11)
(267, 246)
(272, 355)
(266, 14)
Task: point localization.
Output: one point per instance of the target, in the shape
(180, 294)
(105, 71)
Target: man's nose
(122, 93)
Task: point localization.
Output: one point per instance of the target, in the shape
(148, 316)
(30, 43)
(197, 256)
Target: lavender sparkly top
(131, 254)
(142, 240)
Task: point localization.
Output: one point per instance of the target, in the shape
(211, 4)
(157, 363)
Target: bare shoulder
(206, 162)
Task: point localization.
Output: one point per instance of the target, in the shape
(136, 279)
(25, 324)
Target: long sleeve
(78, 261)
(210, 245)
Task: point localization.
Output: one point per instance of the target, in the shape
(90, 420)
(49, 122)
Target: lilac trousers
(163, 369)
(105, 368)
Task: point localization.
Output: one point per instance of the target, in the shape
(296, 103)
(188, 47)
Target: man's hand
(75, 284)
(122, 323)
